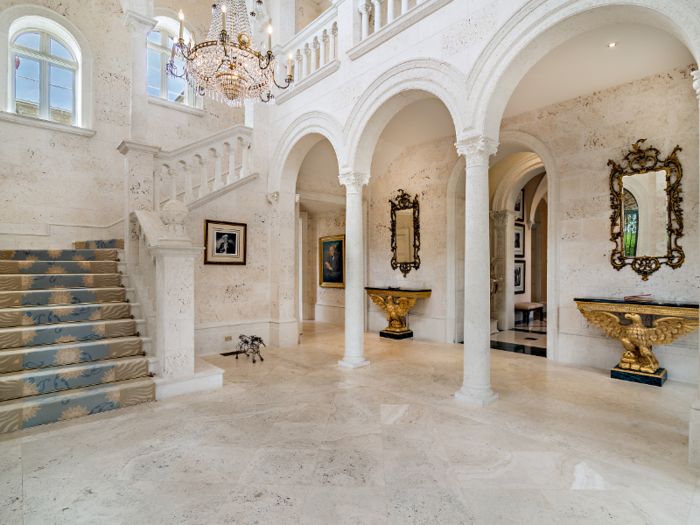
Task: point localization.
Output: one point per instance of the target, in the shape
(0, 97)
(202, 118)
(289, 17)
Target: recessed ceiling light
(612, 44)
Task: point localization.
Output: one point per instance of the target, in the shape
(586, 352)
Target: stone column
(324, 42)
(334, 38)
(694, 443)
(536, 268)
(404, 6)
(139, 26)
(189, 196)
(390, 11)
(245, 160)
(218, 159)
(203, 177)
(298, 66)
(477, 347)
(377, 14)
(364, 12)
(354, 271)
(314, 55)
(305, 61)
(232, 163)
(174, 255)
(500, 252)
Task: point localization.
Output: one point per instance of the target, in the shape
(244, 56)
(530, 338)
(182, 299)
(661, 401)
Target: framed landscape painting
(331, 261)
(519, 241)
(225, 242)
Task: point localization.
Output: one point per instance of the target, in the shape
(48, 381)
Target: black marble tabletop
(622, 301)
(390, 289)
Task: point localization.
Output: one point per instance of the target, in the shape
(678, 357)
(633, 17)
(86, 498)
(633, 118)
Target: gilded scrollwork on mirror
(646, 219)
(405, 232)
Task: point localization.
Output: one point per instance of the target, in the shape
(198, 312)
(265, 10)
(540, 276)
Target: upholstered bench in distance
(527, 308)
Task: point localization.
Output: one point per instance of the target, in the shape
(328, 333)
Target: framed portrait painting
(225, 242)
(331, 261)
(520, 206)
(519, 240)
(519, 277)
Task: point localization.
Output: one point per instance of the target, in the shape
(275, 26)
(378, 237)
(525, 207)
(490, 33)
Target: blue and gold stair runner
(69, 344)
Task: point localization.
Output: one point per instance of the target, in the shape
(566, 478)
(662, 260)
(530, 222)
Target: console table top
(398, 292)
(666, 308)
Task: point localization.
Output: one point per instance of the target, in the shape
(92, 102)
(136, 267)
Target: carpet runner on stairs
(69, 343)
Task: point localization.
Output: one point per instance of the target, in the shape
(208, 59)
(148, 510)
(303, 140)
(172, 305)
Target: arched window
(160, 45)
(44, 76)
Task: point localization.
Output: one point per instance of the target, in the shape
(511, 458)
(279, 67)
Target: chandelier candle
(181, 16)
(269, 39)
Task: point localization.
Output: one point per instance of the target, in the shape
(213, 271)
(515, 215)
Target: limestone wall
(583, 134)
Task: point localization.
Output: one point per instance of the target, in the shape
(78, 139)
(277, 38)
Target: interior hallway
(298, 439)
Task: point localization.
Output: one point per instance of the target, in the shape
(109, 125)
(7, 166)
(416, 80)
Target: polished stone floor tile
(298, 439)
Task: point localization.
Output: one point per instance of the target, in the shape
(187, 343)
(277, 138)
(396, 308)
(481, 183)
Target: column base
(481, 399)
(353, 365)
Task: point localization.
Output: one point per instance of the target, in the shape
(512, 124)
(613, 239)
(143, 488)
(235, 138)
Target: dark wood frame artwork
(520, 217)
(521, 228)
(524, 276)
(243, 244)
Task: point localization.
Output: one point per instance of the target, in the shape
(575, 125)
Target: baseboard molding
(211, 339)
(325, 313)
(206, 377)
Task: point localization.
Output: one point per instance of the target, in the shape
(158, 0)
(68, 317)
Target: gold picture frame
(331, 264)
(225, 242)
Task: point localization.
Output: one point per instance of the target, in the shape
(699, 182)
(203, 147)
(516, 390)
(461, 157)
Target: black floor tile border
(519, 349)
(528, 330)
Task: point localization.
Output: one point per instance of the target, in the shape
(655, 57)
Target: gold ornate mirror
(647, 220)
(405, 233)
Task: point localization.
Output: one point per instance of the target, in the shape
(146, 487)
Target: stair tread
(108, 254)
(56, 267)
(21, 336)
(59, 296)
(46, 281)
(60, 406)
(38, 381)
(43, 315)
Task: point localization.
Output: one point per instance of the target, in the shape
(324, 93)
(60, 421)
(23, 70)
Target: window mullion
(44, 81)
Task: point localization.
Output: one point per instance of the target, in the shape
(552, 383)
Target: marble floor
(299, 440)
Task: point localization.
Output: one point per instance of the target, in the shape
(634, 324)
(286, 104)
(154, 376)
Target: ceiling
(419, 122)
(586, 64)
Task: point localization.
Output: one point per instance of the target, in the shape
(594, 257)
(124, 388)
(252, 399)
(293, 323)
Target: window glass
(27, 92)
(154, 36)
(176, 86)
(153, 79)
(170, 42)
(61, 77)
(30, 40)
(59, 50)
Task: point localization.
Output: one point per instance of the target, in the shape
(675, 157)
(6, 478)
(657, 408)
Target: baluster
(173, 183)
(305, 61)
(334, 37)
(404, 6)
(324, 41)
(231, 177)
(189, 196)
(390, 11)
(364, 11)
(297, 67)
(377, 14)
(314, 54)
(218, 158)
(161, 172)
(204, 175)
(245, 166)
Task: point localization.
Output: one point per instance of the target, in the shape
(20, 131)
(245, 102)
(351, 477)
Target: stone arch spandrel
(296, 142)
(392, 91)
(531, 33)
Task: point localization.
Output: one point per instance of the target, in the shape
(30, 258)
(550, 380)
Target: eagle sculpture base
(658, 378)
(396, 335)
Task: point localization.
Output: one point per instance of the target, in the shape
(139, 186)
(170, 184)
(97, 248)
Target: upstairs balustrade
(195, 170)
(377, 14)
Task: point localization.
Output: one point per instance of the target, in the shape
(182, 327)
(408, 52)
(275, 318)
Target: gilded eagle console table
(638, 362)
(396, 310)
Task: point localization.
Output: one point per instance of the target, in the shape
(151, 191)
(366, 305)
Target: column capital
(315, 44)
(696, 82)
(365, 8)
(477, 150)
(325, 38)
(137, 23)
(353, 181)
(297, 57)
(499, 218)
(307, 50)
(377, 3)
(334, 30)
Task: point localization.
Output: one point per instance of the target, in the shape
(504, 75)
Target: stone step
(61, 406)
(50, 282)
(45, 356)
(99, 244)
(39, 315)
(58, 255)
(63, 296)
(57, 267)
(37, 381)
(65, 332)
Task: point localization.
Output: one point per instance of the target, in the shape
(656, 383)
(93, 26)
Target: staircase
(69, 342)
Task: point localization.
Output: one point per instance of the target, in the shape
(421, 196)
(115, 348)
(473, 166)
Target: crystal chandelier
(226, 66)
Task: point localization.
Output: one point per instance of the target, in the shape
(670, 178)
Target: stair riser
(57, 268)
(99, 244)
(45, 380)
(41, 335)
(58, 297)
(57, 355)
(58, 255)
(49, 282)
(50, 408)
(63, 314)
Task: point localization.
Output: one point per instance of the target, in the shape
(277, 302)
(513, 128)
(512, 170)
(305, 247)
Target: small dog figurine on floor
(248, 345)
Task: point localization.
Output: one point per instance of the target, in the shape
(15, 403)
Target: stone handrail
(203, 166)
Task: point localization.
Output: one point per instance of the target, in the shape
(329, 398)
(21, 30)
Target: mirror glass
(404, 236)
(645, 214)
